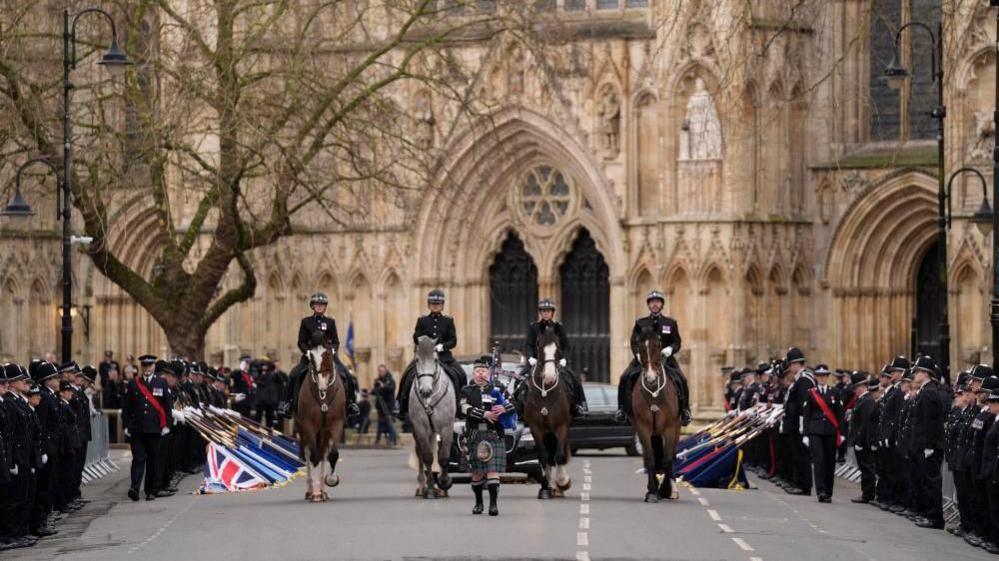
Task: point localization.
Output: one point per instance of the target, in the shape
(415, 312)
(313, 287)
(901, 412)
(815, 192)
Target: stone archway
(875, 253)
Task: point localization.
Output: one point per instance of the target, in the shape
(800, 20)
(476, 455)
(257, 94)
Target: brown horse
(319, 421)
(655, 406)
(547, 413)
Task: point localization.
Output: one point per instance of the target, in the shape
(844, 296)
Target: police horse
(547, 411)
(655, 407)
(319, 420)
(431, 412)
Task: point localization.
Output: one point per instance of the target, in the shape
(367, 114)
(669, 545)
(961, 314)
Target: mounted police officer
(546, 322)
(669, 337)
(317, 323)
(440, 328)
(486, 413)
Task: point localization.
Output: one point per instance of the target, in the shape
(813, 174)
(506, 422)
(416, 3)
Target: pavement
(373, 516)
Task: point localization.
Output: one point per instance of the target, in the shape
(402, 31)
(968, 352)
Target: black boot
(477, 490)
(493, 493)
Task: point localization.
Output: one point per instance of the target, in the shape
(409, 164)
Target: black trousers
(980, 505)
(45, 491)
(928, 486)
(801, 463)
(992, 526)
(867, 462)
(81, 462)
(169, 458)
(784, 457)
(823, 450)
(902, 491)
(16, 497)
(266, 410)
(65, 485)
(146, 461)
(886, 477)
(963, 488)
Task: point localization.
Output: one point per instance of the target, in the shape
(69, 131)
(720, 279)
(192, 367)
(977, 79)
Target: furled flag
(349, 346)
(224, 472)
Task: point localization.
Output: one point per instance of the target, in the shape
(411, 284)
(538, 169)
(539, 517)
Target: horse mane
(649, 347)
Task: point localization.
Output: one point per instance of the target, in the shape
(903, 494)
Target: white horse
(431, 411)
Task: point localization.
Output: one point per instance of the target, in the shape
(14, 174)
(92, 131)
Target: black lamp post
(994, 315)
(115, 61)
(896, 75)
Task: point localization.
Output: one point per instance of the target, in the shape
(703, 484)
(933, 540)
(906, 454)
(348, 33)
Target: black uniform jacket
(313, 324)
(441, 328)
(928, 418)
(534, 331)
(814, 420)
(864, 423)
(472, 408)
(665, 326)
(137, 414)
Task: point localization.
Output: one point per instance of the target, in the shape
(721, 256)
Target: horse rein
(314, 372)
(660, 380)
(541, 388)
(429, 407)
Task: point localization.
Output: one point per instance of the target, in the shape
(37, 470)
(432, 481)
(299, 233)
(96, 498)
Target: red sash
(827, 412)
(248, 380)
(853, 401)
(152, 401)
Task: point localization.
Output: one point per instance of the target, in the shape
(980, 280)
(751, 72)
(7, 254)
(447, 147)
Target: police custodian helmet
(655, 295)
(435, 296)
(318, 298)
(546, 304)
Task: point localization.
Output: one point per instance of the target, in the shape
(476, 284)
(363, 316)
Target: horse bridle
(436, 376)
(321, 394)
(541, 387)
(661, 379)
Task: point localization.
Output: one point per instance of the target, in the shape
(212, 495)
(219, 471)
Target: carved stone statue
(983, 139)
(609, 112)
(701, 137)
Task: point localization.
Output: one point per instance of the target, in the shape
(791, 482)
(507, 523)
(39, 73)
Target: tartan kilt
(497, 463)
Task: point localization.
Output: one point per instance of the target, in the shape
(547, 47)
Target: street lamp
(994, 308)
(116, 61)
(896, 74)
(18, 206)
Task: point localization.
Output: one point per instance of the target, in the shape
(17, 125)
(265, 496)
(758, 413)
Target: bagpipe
(501, 393)
(241, 453)
(712, 457)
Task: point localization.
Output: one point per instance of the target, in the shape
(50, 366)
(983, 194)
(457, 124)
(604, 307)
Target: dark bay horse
(319, 421)
(547, 412)
(655, 406)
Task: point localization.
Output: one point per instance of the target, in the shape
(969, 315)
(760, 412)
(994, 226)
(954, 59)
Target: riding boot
(684, 399)
(518, 397)
(477, 490)
(493, 494)
(351, 394)
(290, 404)
(579, 407)
(624, 396)
(405, 385)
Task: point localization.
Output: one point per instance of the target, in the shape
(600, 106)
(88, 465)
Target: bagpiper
(487, 413)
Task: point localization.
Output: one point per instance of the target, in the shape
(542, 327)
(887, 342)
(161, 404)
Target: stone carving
(609, 113)
(701, 135)
(983, 140)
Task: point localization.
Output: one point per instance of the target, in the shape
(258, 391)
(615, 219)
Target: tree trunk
(185, 341)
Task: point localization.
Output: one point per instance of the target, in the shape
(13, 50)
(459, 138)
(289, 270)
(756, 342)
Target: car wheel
(635, 448)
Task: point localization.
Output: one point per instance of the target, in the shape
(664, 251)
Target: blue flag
(349, 346)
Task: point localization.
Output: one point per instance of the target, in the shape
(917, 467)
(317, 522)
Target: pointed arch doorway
(585, 308)
(513, 294)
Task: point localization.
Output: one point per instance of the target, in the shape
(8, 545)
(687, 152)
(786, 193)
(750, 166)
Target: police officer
(983, 463)
(890, 465)
(317, 323)
(669, 338)
(243, 387)
(930, 410)
(821, 419)
(439, 327)
(864, 436)
(69, 449)
(748, 394)
(991, 464)
(146, 415)
(486, 414)
(546, 322)
(22, 434)
(960, 417)
(171, 454)
(803, 381)
(47, 376)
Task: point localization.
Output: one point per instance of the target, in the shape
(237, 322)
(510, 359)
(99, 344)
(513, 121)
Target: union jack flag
(223, 469)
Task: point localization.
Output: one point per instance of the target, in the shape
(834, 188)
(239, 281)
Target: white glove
(638, 358)
(561, 362)
(668, 352)
(928, 452)
(127, 433)
(858, 447)
(14, 470)
(804, 440)
(165, 431)
(439, 348)
(45, 459)
(532, 361)
(178, 416)
(237, 397)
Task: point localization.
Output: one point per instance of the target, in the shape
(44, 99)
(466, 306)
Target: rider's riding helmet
(436, 296)
(655, 295)
(546, 304)
(318, 298)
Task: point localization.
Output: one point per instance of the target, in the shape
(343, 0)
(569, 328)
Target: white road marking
(703, 501)
(582, 556)
(587, 487)
(726, 529)
(582, 539)
(695, 492)
(587, 479)
(742, 543)
(714, 515)
(584, 509)
(584, 496)
(162, 528)
(755, 559)
(584, 523)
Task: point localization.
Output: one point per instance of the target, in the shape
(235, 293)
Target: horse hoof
(445, 483)
(308, 495)
(557, 493)
(544, 494)
(324, 497)
(651, 498)
(564, 486)
(332, 480)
